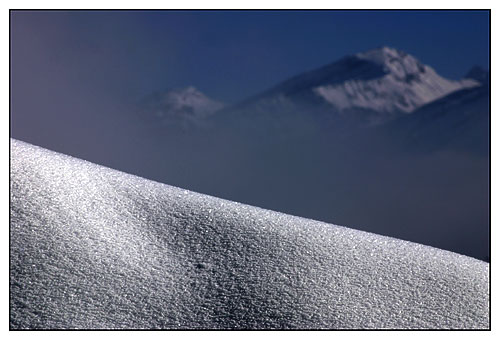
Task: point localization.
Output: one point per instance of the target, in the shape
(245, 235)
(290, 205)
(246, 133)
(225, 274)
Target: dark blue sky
(228, 55)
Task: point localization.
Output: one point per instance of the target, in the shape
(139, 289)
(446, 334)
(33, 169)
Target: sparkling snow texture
(92, 247)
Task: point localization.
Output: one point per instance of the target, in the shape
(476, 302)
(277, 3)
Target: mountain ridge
(367, 88)
(184, 106)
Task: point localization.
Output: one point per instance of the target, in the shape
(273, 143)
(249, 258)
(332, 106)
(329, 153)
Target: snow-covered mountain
(179, 106)
(479, 74)
(459, 120)
(364, 89)
(405, 85)
(95, 248)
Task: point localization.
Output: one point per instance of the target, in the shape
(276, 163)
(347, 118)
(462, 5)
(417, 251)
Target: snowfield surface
(96, 248)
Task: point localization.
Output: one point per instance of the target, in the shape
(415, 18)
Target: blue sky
(229, 55)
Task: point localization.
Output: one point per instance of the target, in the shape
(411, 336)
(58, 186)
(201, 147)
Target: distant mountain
(479, 74)
(364, 89)
(405, 85)
(184, 107)
(459, 120)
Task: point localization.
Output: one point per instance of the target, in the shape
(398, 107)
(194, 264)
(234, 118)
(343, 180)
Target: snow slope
(92, 247)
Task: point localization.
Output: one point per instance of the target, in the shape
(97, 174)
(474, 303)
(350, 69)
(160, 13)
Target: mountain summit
(367, 88)
(185, 106)
(406, 84)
